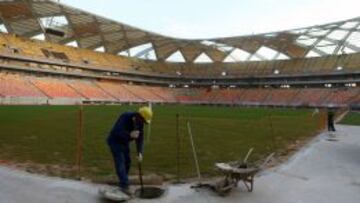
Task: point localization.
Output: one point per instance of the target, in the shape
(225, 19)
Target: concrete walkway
(324, 171)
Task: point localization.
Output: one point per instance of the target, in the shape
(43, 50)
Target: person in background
(331, 117)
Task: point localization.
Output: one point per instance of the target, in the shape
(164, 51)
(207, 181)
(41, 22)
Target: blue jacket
(120, 133)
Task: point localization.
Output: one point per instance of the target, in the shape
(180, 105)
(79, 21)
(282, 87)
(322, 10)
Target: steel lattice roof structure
(59, 23)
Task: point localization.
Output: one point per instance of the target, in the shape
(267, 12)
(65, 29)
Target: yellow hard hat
(146, 113)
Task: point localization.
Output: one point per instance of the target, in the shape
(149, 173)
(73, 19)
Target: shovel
(140, 178)
(147, 192)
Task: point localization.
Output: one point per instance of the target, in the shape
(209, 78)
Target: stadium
(66, 74)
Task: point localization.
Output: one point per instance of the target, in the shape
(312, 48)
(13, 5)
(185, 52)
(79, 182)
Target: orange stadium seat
(280, 97)
(254, 96)
(144, 93)
(118, 91)
(55, 88)
(310, 97)
(356, 100)
(187, 95)
(228, 96)
(341, 97)
(17, 86)
(3, 43)
(90, 90)
(164, 93)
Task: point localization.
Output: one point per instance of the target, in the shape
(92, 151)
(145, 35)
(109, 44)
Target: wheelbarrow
(233, 173)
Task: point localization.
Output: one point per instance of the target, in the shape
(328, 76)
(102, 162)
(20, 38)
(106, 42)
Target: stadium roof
(56, 22)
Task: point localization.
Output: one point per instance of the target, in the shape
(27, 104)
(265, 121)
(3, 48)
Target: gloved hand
(134, 134)
(140, 157)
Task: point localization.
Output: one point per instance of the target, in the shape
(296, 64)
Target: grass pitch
(47, 135)
(353, 118)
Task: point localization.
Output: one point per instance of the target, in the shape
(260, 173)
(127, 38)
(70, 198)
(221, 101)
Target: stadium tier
(56, 90)
(41, 51)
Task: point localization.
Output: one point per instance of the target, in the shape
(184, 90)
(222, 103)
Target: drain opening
(149, 192)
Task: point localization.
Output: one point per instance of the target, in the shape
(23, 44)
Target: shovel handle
(140, 177)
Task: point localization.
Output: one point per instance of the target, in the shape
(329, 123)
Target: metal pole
(79, 141)
(194, 151)
(321, 121)
(177, 148)
(324, 120)
(272, 131)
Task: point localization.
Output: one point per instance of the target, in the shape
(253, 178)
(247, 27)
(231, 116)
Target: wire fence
(70, 141)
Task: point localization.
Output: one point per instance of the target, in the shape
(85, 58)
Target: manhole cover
(149, 192)
(332, 139)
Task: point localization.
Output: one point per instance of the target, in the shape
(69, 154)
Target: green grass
(48, 135)
(352, 118)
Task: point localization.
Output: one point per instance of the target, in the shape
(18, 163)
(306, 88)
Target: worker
(330, 119)
(128, 127)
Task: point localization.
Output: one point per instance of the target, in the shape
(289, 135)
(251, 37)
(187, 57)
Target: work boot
(127, 191)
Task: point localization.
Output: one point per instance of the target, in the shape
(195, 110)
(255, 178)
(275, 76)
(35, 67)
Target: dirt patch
(56, 170)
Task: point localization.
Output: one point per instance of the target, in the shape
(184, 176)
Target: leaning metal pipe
(194, 151)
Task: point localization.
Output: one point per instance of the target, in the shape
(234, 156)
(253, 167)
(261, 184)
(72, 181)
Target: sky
(206, 19)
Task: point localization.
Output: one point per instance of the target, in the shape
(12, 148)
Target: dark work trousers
(122, 162)
(331, 126)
